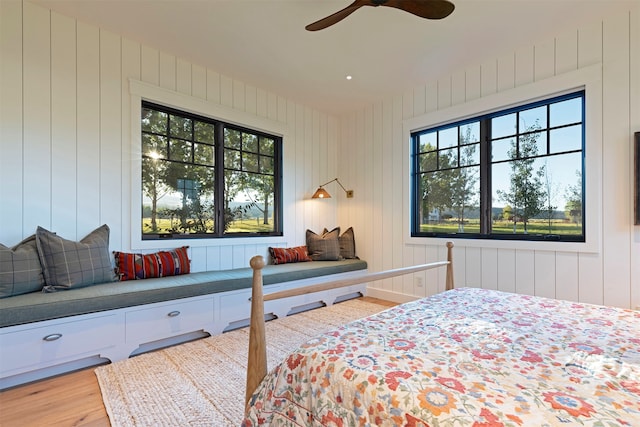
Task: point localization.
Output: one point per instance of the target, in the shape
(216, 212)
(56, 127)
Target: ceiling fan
(430, 9)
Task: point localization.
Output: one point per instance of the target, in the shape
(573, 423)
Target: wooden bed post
(449, 277)
(257, 361)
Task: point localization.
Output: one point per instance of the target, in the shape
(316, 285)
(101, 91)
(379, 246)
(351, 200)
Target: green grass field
(252, 225)
(506, 227)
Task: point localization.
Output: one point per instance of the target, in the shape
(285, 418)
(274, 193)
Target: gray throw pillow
(347, 242)
(324, 247)
(20, 269)
(68, 264)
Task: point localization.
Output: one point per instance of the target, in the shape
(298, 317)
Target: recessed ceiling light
(349, 77)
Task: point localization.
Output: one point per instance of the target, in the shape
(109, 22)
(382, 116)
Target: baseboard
(390, 295)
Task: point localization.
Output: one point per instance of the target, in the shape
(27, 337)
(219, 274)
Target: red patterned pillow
(287, 255)
(159, 264)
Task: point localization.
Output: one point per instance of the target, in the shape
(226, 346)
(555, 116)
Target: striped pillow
(160, 264)
(287, 255)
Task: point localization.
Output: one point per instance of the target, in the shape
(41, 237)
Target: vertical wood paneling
(131, 69)
(374, 253)
(366, 191)
(272, 106)
(473, 267)
(419, 101)
(183, 77)
(301, 205)
(213, 258)
(11, 106)
(525, 272)
(213, 86)
(431, 96)
(261, 103)
(226, 91)
(507, 270)
(590, 44)
(634, 92)
(444, 92)
(150, 68)
(506, 72)
(489, 258)
(63, 125)
(110, 133)
(616, 173)
(238, 95)
(396, 197)
(590, 278)
(251, 99)
(458, 87)
(387, 190)
(88, 131)
(167, 71)
(37, 120)
(566, 52)
(489, 77)
(524, 66)
(544, 60)
(317, 169)
(82, 143)
(199, 81)
(545, 274)
(566, 280)
(473, 83)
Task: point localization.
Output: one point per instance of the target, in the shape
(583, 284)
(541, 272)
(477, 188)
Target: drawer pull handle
(52, 337)
(173, 313)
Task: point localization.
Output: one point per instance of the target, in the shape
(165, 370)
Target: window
(513, 174)
(203, 178)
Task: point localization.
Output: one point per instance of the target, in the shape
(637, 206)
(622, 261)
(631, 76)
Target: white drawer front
(235, 306)
(168, 320)
(57, 343)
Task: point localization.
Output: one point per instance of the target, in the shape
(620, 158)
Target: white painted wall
(66, 139)
(66, 143)
(375, 164)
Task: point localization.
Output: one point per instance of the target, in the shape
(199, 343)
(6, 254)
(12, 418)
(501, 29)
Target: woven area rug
(202, 383)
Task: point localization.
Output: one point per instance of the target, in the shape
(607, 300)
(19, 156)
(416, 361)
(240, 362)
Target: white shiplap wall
(374, 165)
(66, 140)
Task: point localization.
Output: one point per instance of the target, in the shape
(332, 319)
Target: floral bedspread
(466, 357)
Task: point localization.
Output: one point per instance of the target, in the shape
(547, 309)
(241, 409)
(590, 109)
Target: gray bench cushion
(37, 306)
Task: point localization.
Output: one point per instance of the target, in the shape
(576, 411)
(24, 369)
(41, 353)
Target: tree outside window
(204, 178)
(513, 174)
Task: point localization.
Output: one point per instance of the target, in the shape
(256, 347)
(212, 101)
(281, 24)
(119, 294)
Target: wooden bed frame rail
(257, 361)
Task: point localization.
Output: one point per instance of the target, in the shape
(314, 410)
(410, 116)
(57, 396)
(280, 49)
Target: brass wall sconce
(321, 193)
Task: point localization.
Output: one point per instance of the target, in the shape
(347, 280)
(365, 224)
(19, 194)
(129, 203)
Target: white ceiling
(387, 51)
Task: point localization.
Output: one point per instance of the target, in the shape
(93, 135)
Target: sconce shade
(321, 193)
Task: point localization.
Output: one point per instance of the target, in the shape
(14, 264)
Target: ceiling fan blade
(430, 9)
(338, 16)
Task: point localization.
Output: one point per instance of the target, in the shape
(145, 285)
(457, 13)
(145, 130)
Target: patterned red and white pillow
(287, 255)
(131, 266)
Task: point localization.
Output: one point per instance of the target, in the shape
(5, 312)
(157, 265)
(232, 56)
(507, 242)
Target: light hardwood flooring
(68, 400)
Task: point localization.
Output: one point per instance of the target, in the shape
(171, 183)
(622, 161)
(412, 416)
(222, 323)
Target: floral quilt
(465, 357)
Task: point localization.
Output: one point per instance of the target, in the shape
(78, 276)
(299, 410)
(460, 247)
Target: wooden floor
(68, 400)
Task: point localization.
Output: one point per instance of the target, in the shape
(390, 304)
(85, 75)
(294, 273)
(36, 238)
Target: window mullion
(485, 176)
(219, 195)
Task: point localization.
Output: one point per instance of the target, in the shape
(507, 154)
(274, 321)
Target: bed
(464, 357)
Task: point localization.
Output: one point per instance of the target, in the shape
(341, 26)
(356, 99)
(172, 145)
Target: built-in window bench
(45, 334)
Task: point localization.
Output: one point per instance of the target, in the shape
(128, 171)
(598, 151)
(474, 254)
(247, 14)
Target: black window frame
(485, 167)
(219, 170)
